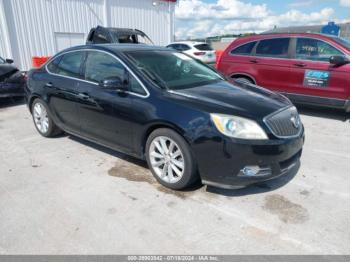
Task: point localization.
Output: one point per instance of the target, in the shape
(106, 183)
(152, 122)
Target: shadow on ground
(9, 102)
(254, 189)
(330, 113)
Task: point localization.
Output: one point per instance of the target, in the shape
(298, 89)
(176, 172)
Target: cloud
(300, 3)
(196, 18)
(345, 3)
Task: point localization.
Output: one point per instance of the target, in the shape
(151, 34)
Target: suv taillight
(199, 53)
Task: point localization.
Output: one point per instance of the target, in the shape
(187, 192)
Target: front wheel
(42, 120)
(170, 159)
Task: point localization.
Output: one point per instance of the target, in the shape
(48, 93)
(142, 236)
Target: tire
(42, 121)
(172, 179)
(244, 80)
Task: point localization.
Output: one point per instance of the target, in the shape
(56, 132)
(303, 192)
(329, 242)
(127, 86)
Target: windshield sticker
(316, 78)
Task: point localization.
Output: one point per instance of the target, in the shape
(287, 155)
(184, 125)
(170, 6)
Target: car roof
(188, 43)
(124, 30)
(116, 47)
(277, 35)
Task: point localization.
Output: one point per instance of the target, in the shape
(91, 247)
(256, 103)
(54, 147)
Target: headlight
(238, 127)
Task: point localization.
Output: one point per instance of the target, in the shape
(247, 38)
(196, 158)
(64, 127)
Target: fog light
(255, 171)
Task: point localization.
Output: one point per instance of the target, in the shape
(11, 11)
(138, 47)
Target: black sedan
(12, 81)
(157, 104)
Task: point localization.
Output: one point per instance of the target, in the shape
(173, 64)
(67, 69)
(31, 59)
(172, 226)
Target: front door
(105, 114)
(313, 75)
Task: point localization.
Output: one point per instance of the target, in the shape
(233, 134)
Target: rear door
(313, 75)
(61, 89)
(238, 61)
(272, 64)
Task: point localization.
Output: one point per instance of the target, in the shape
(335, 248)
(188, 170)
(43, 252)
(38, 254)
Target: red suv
(308, 68)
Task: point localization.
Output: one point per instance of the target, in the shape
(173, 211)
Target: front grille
(285, 123)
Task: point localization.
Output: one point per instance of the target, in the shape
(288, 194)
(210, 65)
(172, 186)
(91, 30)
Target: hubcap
(167, 159)
(41, 118)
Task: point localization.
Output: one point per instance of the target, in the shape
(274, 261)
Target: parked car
(199, 50)
(105, 35)
(308, 68)
(163, 106)
(12, 81)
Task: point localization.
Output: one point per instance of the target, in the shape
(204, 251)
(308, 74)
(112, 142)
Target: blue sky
(199, 18)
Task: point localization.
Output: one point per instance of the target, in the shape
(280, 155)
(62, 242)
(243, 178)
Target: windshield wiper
(154, 77)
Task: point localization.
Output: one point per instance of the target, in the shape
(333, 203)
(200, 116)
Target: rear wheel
(244, 80)
(42, 121)
(170, 159)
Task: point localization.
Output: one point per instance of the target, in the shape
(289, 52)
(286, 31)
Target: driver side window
(100, 66)
(315, 50)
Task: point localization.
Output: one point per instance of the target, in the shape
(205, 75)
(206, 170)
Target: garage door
(66, 40)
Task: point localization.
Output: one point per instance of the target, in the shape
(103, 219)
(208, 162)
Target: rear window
(245, 49)
(277, 47)
(204, 47)
(67, 64)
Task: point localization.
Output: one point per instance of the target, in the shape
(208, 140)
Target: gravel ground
(68, 196)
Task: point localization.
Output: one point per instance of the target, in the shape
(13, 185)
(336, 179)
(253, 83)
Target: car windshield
(344, 42)
(173, 70)
(2, 61)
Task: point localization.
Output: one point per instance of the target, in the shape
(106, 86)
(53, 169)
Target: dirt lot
(68, 196)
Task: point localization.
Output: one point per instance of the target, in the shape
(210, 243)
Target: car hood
(222, 97)
(7, 70)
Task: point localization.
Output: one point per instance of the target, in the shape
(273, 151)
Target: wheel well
(243, 76)
(30, 102)
(153, 128)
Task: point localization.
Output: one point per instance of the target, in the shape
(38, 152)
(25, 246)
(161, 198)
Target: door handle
(84, 96)
(49, 85)
(300, 65)
(254, 61)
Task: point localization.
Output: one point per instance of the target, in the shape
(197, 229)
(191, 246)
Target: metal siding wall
(155, 21)
(5, 45)
(34, 23)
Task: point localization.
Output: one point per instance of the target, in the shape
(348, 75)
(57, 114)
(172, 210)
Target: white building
(43, 27)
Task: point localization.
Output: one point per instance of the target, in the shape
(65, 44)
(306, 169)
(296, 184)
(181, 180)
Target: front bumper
(224, 162)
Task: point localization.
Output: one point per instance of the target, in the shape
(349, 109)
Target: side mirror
(338, 60)
(113, 83)
(9, 61)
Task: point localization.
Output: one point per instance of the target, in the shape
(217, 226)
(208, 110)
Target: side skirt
(319, 101)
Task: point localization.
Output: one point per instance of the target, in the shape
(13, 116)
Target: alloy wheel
(41, 118)
(166, 159)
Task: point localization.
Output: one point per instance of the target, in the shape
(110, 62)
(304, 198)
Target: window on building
(316, 50)
(277, 47)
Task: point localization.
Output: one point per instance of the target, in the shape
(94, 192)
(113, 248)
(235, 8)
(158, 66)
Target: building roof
(344, 29)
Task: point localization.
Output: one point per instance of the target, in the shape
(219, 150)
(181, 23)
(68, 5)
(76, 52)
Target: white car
(199, 50)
